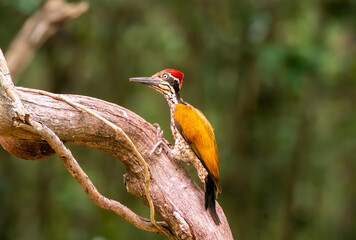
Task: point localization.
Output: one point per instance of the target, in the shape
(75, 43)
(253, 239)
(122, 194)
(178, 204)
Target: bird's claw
(159, 132)
(157, 147)
(160, 144)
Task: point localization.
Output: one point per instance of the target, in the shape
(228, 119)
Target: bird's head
(167, 82)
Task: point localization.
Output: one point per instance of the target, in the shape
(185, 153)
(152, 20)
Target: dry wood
(21, 119)
(71, 163)
(177, 199)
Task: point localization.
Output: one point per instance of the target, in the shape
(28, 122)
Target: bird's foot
(157, 149)
(160, 144)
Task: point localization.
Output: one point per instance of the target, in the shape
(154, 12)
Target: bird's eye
(165, 76)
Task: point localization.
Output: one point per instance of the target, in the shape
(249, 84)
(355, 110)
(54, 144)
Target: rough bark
(177, 199)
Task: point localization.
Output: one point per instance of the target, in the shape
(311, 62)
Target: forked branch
(176, 198)
(22, 120)
(80, 175)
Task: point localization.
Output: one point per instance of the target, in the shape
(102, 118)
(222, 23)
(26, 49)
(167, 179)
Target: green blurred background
(276, 79)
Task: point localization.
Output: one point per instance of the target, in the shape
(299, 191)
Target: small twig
(118, 130)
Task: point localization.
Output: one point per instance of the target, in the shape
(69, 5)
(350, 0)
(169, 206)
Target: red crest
(177, 74)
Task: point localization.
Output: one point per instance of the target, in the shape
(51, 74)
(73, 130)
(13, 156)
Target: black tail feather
(210, 199)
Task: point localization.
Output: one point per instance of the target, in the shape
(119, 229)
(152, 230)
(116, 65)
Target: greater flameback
(194, 137)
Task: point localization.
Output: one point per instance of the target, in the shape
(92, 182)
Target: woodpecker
(193, 135)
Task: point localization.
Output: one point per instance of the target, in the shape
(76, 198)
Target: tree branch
(44, 23)
(72, 163)
(176, 198)
(65, 155)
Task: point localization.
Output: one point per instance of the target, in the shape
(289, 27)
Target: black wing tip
(210, 200)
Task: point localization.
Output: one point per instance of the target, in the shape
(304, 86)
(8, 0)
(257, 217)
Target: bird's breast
(182, 150)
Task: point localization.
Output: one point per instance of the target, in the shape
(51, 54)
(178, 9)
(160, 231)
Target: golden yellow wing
(198, 132)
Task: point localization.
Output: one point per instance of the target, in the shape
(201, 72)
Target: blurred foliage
(275, 78)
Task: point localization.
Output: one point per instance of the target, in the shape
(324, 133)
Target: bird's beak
(146, 80)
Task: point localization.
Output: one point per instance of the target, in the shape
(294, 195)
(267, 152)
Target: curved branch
(21, 119)
(73, 163)
(176, 198)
